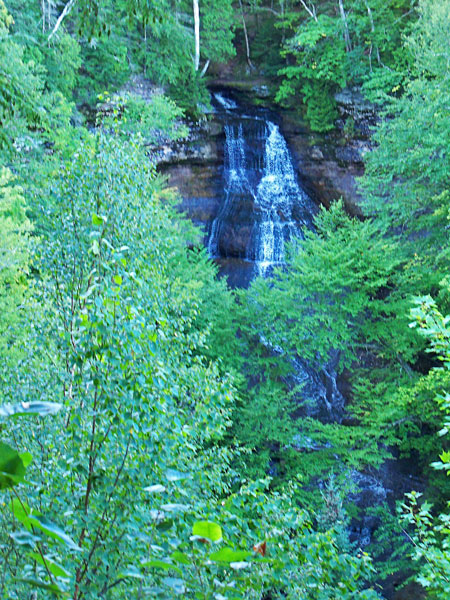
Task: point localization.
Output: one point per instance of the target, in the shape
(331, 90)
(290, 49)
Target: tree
(431, 538)
(406, 180)
(331, 46)
(15, 229)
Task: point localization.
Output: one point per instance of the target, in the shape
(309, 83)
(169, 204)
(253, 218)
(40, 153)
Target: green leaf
(118, 279)
(54, 531)
(161, 564)
(50, 587)
(164, 525)
(25, 515)
(23, 512)
(229, 555)
(52, 566)
(30, 408)
(133, 572)
(12, 468)
(25, 538)
(96, 220)
(26, 458)
(207, 529)
(180, 557)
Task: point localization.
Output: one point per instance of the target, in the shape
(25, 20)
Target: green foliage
(165, 389)
(20, 87)
(129, 355)
(144, 414)
(327, 50)
(61, 60)
(347, 310)
(104, 66)
(157, 120)
(431, 537)
(14, 264)
(343, 296)
(320, 106)
(415, 181)
(319, 70)
(13, 468)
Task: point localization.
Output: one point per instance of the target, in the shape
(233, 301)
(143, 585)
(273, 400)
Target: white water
(236, 181)
(258, 172)
(226, 103)
(276, 195)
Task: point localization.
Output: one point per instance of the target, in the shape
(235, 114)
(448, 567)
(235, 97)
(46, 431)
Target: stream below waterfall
(263, 206)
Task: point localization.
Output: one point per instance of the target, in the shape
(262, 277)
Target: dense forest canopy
(152, 442)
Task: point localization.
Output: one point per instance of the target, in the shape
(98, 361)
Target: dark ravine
(247, 179)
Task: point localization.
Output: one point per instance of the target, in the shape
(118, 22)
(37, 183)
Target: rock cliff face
(195, 167)
(331, 163)
(327, 165)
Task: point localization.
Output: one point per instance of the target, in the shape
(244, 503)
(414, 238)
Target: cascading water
(236, 182)
(277, 195)
(263, 204)
(263, 207)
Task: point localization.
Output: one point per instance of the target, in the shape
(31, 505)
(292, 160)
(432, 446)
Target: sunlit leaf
(229, 555)
(160, 564)
(49, 587)
(25, 538)
(155, 489)
(54, 531)
(173, 475)
(207, 529)
(54, 568)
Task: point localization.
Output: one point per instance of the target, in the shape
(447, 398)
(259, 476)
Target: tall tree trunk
(196, 34)
(62, 16)
(372, 29)
(247, 45)
(348, 45)
(310, 10)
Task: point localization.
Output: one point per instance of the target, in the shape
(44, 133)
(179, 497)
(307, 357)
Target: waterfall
(236, 182)
(263, 205)
(223, 102)
(276, 196)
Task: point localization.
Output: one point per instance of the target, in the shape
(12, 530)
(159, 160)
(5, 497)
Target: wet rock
(351, 153)
(328, 168)
(199, 189)
(140, 86)
(213, 128)
(197, 151)
(261, 91)
(316, 153)
(351, 101)
(235, 239)
(368, 492)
